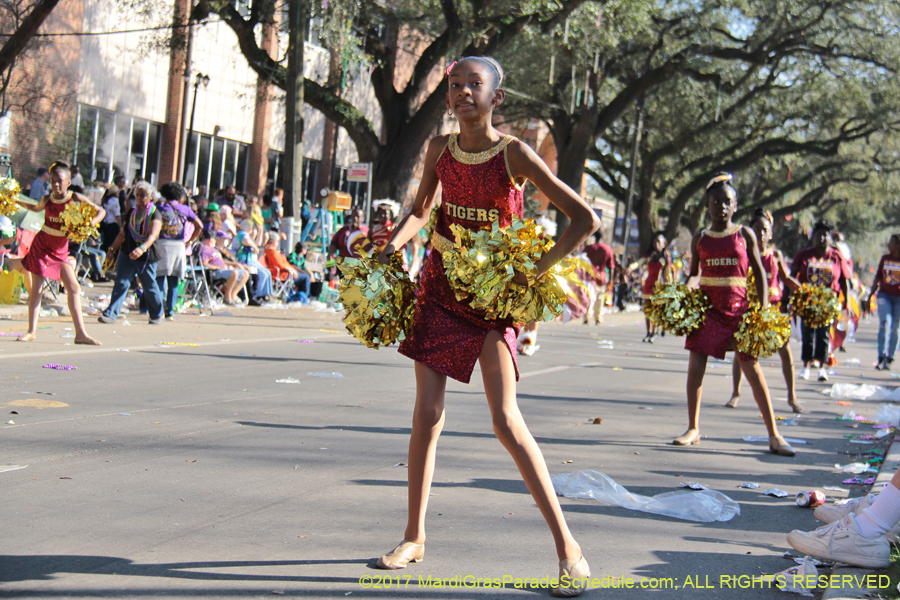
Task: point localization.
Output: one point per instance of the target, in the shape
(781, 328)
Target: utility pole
(626, 221)
(293, 131)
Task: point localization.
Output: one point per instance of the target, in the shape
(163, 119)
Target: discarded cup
(326, 375)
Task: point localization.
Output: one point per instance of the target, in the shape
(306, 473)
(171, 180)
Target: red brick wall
(45, 81)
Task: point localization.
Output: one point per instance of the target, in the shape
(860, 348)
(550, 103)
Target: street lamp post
(204, 79)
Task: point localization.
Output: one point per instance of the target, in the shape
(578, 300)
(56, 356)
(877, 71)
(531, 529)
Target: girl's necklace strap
(476, 158)
(722, 234)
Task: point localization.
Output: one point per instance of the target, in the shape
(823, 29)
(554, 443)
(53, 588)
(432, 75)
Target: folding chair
(282, 282)
(196, 282)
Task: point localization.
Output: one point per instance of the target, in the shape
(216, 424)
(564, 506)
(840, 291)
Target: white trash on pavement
(704, 506)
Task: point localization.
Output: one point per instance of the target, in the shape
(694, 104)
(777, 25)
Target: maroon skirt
(47, 255)
(447, 335)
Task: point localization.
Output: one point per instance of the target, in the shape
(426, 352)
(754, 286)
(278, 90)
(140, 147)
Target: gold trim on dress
(739, 282)
(721, 234)
(476, 158)
(65, 199)
(51, 231)
(440, 243)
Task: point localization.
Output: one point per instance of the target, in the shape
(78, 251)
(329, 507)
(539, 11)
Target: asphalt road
(187, 470)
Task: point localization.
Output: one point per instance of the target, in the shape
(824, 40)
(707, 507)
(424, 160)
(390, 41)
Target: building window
(275, 175)
(216, 163)
(109, 144)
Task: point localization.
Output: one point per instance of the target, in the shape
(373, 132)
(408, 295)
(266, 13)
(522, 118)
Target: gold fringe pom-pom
(817, 306)
(379, 299)
(762, 332)
(9, 193)
(677, 308)
(76, 221)
(482, 266)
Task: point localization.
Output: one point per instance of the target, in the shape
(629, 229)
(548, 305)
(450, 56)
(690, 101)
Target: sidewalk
(888, 468)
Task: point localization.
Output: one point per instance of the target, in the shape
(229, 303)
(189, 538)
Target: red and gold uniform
(477, 189)
(773, 281)
(724, 264)
(50, 249)
(655, 267)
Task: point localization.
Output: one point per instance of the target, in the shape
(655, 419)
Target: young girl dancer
(778, 277)
(725, 252)
(658, 264)
(49, 254)
(482, 174)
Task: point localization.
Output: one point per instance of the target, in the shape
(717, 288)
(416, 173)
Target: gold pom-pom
(76, 221)
(817, 306)
(482, 266)
(9, 193)
(677, 308)
(762, 332)
(379, 299)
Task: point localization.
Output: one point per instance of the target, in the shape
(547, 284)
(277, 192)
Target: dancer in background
(887, 288)
(778, 277)
(721, 257)
(482, 174)
(822, 265)
(49, 254)
(658, 264)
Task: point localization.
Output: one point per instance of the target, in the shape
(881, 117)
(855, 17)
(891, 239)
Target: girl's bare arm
(421, 210)
(783, 272)
(759, 273)
(526, 164)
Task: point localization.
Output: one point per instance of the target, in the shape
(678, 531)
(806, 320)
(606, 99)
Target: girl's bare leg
(499, 377)
(428, 421)
(787, 367)
(73, 296)
(736, 381)
(34, 307)
(696, 371)
(757, 382)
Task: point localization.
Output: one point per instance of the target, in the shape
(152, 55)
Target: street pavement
(185, 469)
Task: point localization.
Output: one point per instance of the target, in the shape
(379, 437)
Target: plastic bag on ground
(888, 414)
(796, 579)
(865, 391)
(705, 506)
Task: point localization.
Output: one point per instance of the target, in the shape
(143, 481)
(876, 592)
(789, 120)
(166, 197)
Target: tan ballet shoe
(796, 407)
(573, 578)
(778, 446)
(28, 337)
(87, 341)
(733, 403)
(402, 555)
(688, 438)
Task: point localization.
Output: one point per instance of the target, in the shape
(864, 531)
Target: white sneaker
(842, 542)
(831, 513)
(804, 374)
(823, 374)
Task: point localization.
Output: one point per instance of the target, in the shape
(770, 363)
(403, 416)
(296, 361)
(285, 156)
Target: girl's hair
(143, 185)
(828, 226)
(759, 214)
(895, 236)
(61, 167)
(489, 61)
(720, 180)
(215, 219)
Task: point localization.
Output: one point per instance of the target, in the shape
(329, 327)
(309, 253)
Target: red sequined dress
(773, 282)
(477, 189)
(654, 269)
(50, 248)
(724, 264)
